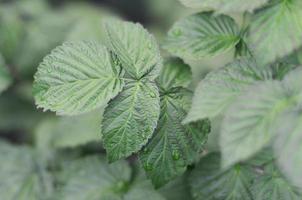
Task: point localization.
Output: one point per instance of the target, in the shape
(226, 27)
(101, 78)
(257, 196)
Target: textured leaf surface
(273, 186)
(174, 145)
(221, 87)
(201, 35)
(130, 119)
(77, 78)
(175, 73)
(249, 122)
(225, 5)
(5, 78)
(135, 47)
(209, 182)
(288, 145)
(19, 178)
(93, 179)
(268, 27)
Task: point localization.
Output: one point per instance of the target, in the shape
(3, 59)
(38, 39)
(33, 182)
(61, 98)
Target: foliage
(129, 113)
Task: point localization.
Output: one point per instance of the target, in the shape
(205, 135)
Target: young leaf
(288, 145)
(273, 186)
(21, 177)
(209, 182)
(92, 178)
(202, 35)
(221, 87)
(249, 123)
(267, 30)
(175, 73)
(76, 78)
(5, 78)
(135, 47)
(130, 119)
(174, 145)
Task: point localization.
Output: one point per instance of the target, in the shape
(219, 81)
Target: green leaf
(225, 5)
(135, 47)
(201, 35)
(175, 73)
(69, 131)
(201, 4)
(220, 88)
(130, 119)
(21, 176)
(11, 31)
(209, 182)
(92, 178)
(76, 78)
(177, 189)
(5, 79)
(174, 145)
(273, 186)
(267, 30)
(143, 190)
(288, 145)
(248, 125)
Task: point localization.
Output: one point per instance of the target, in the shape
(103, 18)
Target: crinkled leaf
(175, 73)
(248, 125)
(278, 28)
(209, 182)
(174, 145)
(202, 34)
(130, 119)
(5, 78)
(221, 87)
(288, 147)
(21, 177)
(135, 47)
(76, 78)
(93, 179)
(273, 186)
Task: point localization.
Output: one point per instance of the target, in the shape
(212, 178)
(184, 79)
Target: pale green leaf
(135, 47)
(225, 5)
(273, 186)
(248, 125)
(130, 119)
(174, 145)
(76, 78)
(277, 27)
(5, 79)
(177, 189)
(11, 32)
(288, 147)
(70, 131)
(201, 4)
(209, 182)
(143, 190)
(201, 35)
(220, 88)
(93, 178)
(21, 176)
(175, 73)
